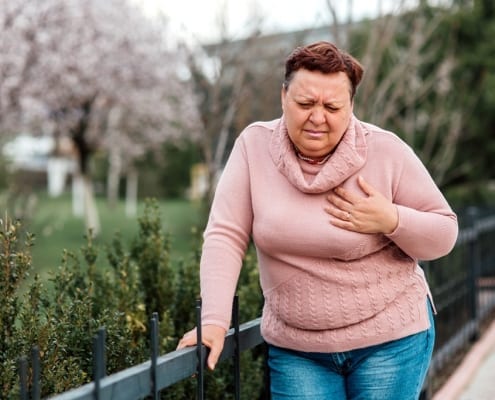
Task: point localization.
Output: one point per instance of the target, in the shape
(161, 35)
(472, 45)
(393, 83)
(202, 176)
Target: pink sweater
(325, 289)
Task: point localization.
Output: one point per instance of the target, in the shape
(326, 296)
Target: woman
(340, 212)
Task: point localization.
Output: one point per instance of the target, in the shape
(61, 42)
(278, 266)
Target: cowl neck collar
(348, 158)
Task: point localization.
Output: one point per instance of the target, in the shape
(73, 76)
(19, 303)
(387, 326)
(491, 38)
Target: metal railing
(463, 286)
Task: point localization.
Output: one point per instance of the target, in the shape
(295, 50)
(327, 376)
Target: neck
(312, 160)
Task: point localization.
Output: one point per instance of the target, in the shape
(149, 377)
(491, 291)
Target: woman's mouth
(314, 134)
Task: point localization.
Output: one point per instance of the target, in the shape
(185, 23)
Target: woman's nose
(317, 116)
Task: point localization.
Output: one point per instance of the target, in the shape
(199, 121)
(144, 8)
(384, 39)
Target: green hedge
(61, 316)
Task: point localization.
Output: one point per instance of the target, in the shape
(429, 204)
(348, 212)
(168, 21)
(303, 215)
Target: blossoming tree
(98, 72)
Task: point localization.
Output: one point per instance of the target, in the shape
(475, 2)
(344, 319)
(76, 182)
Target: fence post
(154, 355)
(35, 362)
(199, 353)
(23, 370)
(98, 360)
(237, 350)
(475, 271)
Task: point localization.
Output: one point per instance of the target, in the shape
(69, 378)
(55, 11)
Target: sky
(198, 19)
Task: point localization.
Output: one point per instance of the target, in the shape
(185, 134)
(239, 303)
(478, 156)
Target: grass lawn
(56, 228)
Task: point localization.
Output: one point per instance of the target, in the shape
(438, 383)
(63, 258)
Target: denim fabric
(394, 370)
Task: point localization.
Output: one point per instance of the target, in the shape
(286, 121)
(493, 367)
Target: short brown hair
(324, 57)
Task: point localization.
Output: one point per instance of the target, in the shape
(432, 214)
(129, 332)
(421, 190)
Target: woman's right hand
(212, 337)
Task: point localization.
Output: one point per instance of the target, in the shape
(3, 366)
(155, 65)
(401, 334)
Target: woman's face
(317, 109)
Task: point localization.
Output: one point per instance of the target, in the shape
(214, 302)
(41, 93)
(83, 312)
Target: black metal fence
(148, 379)
(463, 286)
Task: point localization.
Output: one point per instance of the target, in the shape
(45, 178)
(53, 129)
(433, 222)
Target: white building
(31, 153)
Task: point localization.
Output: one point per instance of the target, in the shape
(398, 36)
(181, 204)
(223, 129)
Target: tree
(99, 72)
(409, 61)
(237, 81)
(417, 56)
(220, 95)
(473, 26)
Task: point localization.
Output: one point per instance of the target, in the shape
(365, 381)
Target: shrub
(61, 316)
(15, 264)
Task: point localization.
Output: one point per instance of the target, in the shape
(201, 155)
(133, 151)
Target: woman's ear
(283, 93)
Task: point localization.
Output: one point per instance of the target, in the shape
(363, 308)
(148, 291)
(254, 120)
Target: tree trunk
(92, 218)
(113, 178)
(84, 204)
(114, 157)
(77, 195)
(131, 192)
(84, 152)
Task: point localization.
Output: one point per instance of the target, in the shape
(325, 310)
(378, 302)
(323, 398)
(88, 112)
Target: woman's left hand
(371, 213)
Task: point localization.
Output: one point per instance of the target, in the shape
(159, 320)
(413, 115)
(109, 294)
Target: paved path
(474, 379)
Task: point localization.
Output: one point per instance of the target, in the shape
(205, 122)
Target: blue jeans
(394, 370)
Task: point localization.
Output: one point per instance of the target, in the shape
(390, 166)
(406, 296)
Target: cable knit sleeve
(225, 239)
(427, 227)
